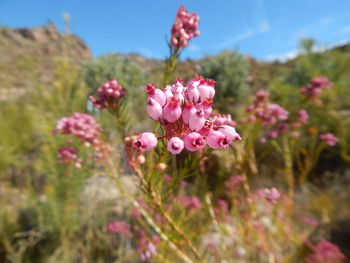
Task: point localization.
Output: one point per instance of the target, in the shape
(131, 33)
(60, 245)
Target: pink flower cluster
(329, 138)
(314, 89)
(87, 130)
(275, 117)
(80, 125)
(189, 201)
(184, 29)
(69, 155)
(222, 119)
(272, 195)
(325, 252)
(119, 227)
(265, 112)
(108, 95)
(184, 113)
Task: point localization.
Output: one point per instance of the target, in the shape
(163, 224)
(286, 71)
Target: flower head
(184, 29)
(329, 138)
(108, 95)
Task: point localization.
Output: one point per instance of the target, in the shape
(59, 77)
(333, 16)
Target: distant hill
(28, 55)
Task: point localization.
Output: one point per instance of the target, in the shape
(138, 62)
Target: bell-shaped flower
(172, 110)
(206, 89)
(188, 111)
(217, 140)
(175, 145)
(197, 120)
(146, 141)
(156, 94)
(154, 109)
(194, 141)
(230, 132)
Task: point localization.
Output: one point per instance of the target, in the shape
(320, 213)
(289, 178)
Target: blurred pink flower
(325, 252)
(108, 95)
(184, 29)
(119, 227)
(329, 138)
(146, 141)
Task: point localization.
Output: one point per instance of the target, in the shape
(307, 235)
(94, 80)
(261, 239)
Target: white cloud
(263, 27)
(193, 48)
(282, 57)
(345, 30)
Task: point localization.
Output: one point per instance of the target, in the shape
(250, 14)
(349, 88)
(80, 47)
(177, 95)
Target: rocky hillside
(28, 56)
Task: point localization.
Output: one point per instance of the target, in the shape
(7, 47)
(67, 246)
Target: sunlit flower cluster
(184, 29)
(108, 95)
(80, 125)
(314, 89)
(265, 112)
(184, 112)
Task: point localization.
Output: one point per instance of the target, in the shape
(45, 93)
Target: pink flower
(193, 92)
(175, 145)
(197, 120)
(172, 110)
(217, 140)
(221, 119)
(119, 227)
(206, 106)
(80, 125)
(315, 88)
(207, 127)
(188, 111)
(108, 95)
(233, 181)
(303, 116)
(184, 29)
(154, 109)
(325, 252)
(146, 141)
(69, 155)
(194, 141)
(272, 195)
(230, 132)
(156, 94)
(329, 138)
(206, 89)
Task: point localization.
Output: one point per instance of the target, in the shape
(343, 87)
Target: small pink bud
(217, 140)
(197, 120)
(194, 141)
(188, 111)
(175, 145)
(154, 109)
(146, 141)
(172, 110)
(230, 132)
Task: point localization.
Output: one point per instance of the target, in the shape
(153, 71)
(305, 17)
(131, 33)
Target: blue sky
(265, 29)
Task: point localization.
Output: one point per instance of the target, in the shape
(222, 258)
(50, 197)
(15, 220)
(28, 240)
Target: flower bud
(175, 145)
(197, 120)
(154, 109)
(146, 141)
(172, 110)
